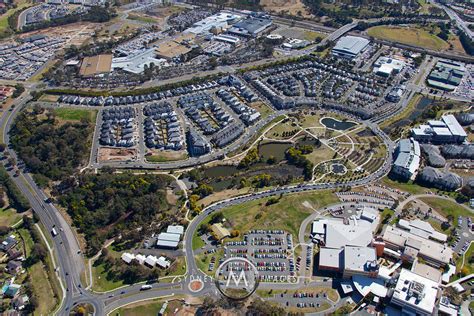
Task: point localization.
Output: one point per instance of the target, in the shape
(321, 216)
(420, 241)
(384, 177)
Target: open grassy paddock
(71, 114)
(409, 36)
(287, 214)
(42, 289)
(409, 187)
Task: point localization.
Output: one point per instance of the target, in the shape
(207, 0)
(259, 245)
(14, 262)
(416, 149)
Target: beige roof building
(435, 253)
(96, 65)
(220, 231)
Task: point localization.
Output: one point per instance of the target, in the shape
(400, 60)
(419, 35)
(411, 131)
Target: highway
(460, 23)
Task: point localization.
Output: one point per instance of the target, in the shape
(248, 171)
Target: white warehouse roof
(350, 46)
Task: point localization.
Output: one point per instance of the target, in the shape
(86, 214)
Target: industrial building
(446, 75)
(444, 131)
(387, 66)
(407, 159)
(220, 20)
(135, 63)
(349, 47)
(171, 238)
(416, 295)
(251, 27)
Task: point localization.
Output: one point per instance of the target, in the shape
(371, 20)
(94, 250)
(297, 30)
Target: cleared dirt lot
(116, 154)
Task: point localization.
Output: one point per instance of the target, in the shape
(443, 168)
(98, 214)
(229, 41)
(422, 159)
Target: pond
(421, 106)
(329, 122)
(220, 171)
(338, 168)
(274, 149)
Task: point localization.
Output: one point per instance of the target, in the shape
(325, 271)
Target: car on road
(145, 287)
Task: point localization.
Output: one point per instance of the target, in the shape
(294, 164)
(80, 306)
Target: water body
(275, 149)
(338, 168)
(220, 171)
(329, 122)
(422, 105)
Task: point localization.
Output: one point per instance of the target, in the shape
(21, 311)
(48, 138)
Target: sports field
(410, 36)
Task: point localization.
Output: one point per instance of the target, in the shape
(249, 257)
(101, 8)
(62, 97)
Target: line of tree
(17, 199)
(296, 156)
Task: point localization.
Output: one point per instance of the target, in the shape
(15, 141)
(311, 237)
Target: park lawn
(42, 289)
(277, 131)
(9, 216)
(409, 187)
(286, 215)
(446, 208)
(100, 282)
(320, 154)
(71, 114)
(198, 242)
(410, 36)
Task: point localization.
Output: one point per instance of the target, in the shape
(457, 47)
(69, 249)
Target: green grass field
(409, 187)
(410, 36)
(42, 289)
(101, 284)
(287, 214)
(149, 307)
(70, 114)
(446, 208)
(4, 27)
(9, 216)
